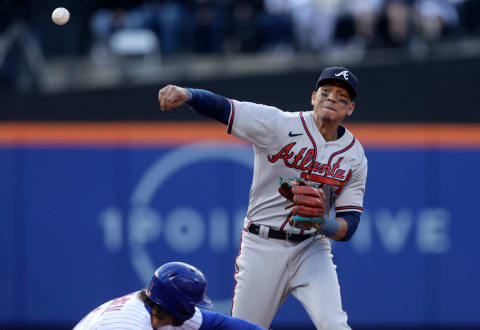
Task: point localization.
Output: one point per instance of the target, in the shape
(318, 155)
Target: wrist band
(330, 227)
(190, 94)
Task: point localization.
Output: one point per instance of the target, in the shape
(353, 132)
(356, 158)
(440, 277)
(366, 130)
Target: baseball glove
(308, 202)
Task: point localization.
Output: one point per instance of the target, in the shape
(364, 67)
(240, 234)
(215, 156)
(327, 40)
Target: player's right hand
(172, 96)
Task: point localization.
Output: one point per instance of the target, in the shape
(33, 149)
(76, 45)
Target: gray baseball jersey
(288, 144)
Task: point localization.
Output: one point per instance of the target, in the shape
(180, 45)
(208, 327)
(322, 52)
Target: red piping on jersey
(232, 116)
(286, 221)
(236, 266)
(341, 151)
(310, 166)
(345, 208)
(314, 158)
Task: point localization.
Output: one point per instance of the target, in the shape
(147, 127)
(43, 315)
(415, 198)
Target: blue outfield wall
(83, 225)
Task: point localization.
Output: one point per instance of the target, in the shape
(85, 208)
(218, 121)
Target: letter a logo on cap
(343, 73)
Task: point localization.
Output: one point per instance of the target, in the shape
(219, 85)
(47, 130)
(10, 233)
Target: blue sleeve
(353, 219)
(213, 320)
(209, 104)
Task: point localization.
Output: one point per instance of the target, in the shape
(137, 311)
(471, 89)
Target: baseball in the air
(60, 16)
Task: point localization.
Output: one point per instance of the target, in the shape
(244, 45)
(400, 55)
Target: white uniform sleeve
(127, 312)
(255, 123)
(351, 197)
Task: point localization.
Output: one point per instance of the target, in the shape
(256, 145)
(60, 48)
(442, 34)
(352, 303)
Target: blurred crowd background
(93, 175)
(163, 30)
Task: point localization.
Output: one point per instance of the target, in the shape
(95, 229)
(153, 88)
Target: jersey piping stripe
(313, 143)
(282, 227)
(303, 175)
(236, 270)
(341, 151)
(348, 208)
(232, 117)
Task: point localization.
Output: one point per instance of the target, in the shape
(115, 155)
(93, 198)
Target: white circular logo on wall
(145, 223)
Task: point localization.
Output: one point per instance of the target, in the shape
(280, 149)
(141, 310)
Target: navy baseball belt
(272, 233)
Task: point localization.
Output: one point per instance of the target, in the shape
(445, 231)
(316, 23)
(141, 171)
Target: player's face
(332, 102)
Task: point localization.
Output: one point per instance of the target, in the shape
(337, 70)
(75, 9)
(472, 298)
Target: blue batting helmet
(179, 287)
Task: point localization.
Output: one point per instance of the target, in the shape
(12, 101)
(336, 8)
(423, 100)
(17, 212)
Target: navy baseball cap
(342, 74)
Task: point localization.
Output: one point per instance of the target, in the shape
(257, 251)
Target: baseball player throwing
(306, 164)
(171, 301)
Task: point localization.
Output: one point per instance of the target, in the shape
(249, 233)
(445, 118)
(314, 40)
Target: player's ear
(314, 93)
(351, 107)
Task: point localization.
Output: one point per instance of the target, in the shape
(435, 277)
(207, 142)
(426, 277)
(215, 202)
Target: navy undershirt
(209, 104)
(353, 219)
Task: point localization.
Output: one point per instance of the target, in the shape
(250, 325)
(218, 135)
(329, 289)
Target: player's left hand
(308, 202)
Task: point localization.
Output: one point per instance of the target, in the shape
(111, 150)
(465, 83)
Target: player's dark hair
(160, 312)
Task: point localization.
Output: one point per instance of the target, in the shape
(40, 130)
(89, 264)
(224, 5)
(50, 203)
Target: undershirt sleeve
(209, 104)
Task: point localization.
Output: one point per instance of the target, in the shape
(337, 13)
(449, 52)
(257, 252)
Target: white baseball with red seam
(60, 16)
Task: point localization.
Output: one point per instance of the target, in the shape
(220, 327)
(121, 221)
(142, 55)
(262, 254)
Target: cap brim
(348, 87)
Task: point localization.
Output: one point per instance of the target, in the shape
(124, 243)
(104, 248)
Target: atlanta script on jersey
(128, 312)
(289, 144)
